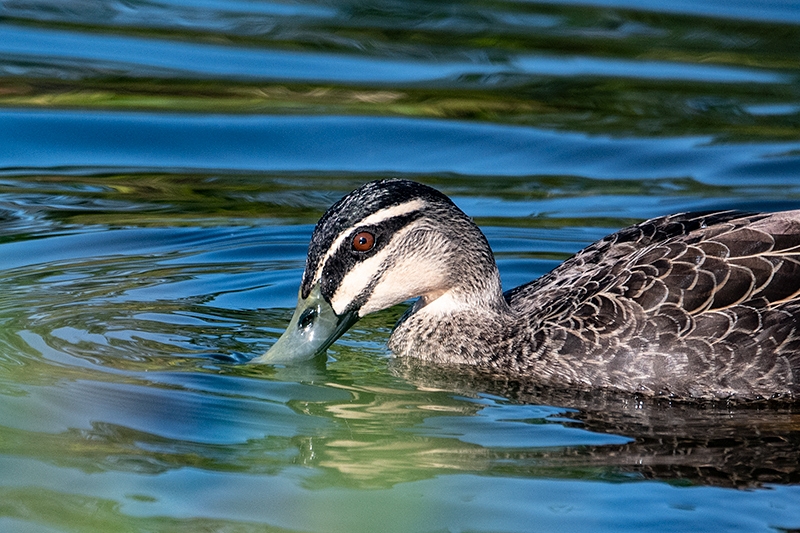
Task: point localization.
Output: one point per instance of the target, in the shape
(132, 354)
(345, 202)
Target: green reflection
(198, 200)
(63, 511)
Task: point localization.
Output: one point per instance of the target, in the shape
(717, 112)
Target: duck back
(701, 305)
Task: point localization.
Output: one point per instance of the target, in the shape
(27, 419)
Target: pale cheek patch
(407, 279)
(417, 271)
(356, 281)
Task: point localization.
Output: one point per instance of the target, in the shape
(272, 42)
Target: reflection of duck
(710, 443)
(698, 305)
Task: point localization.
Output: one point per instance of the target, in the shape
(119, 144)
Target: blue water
(373, 145)
(162, 165)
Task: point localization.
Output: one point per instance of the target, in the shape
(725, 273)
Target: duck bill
(314, 327)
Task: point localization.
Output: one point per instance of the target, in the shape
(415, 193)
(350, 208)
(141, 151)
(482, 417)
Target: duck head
(384, 243)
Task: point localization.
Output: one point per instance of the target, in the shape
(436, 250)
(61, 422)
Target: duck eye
(363, 242)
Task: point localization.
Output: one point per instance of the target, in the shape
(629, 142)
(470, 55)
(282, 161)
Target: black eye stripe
(345, 258)
(382, 232)
(373, 198)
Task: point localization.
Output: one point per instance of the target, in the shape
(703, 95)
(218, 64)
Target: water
(162, 164)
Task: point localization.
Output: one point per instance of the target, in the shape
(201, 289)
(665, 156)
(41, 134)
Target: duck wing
(696, 304)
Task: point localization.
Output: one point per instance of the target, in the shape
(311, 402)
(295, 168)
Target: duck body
(694, 306)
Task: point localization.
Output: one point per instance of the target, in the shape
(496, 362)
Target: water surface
(162, 164)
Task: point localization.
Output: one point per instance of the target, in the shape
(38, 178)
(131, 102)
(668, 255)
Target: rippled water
(162, 164)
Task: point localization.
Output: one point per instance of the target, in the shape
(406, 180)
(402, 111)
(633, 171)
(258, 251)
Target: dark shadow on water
(718, 444)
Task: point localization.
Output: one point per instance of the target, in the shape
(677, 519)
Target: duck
(697, 306)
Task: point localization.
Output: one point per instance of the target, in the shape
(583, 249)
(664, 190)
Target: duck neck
(455, 325)
(482, 296)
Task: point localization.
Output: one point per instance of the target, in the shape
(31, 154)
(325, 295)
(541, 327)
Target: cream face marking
(404, 280)
(375, 218)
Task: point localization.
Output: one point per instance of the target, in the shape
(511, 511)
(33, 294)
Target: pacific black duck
(694, 305)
